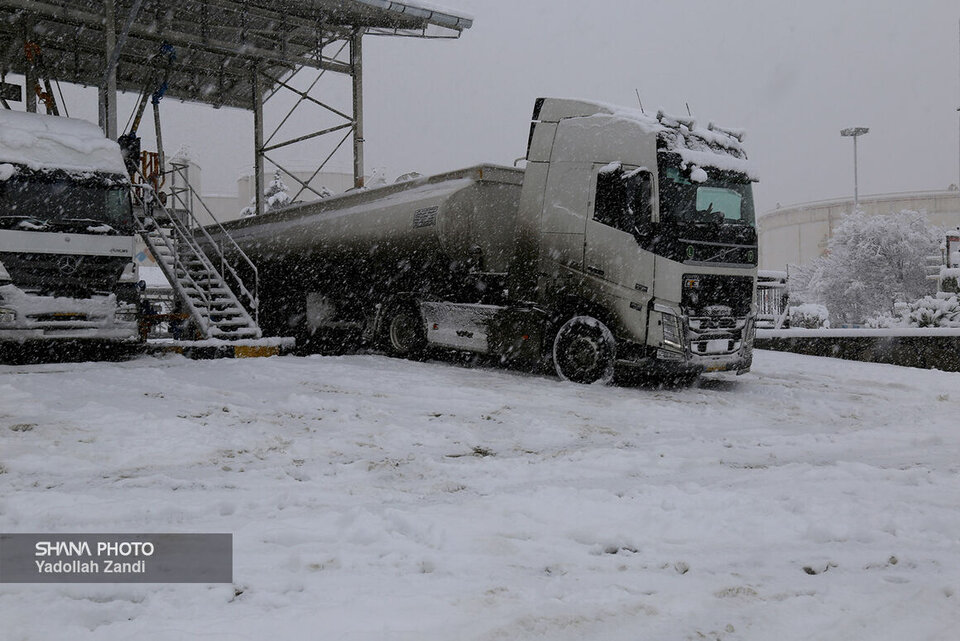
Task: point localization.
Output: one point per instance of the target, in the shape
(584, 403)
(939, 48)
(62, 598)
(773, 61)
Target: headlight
(7, 316)
(671, 331)
(749, 332)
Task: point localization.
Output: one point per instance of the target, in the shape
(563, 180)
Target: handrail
(256, 272)
(150, 197)
(253, 298)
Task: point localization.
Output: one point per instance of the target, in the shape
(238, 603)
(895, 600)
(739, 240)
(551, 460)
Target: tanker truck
(626, 241)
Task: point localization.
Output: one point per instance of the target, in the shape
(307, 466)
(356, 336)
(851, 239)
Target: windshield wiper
(22, 223)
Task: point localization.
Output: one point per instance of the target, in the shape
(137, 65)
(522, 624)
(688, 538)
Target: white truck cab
(66, 233)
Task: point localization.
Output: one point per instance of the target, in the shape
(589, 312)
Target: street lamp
(854, 132)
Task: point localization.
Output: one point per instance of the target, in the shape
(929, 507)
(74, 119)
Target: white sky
(791, 74)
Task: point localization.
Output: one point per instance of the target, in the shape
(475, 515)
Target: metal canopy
(237, 53)
(216, 42)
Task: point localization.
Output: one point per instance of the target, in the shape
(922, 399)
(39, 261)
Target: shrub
(809, 316)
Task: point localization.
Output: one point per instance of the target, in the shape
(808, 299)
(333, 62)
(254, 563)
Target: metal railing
(185, 194)
(148, 202)
(772, 300)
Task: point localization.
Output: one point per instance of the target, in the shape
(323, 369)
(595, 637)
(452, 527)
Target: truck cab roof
(42, 142)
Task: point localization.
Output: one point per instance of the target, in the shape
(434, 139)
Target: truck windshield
(711, 196)
(31, 202)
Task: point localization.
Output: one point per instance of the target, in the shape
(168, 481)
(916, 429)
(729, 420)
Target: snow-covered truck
(66, 234)
(627, 240)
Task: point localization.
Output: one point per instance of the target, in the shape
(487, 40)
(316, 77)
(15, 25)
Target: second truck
(626, 241)
(67, 275)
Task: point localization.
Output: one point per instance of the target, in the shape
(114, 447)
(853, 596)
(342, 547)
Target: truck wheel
(404, 335)
(584, 351)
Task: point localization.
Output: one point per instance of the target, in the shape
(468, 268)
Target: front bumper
(721, 344)
(693, 345)
(26, 316)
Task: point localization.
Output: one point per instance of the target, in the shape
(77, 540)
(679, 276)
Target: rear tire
(584, 351)
(403, 332)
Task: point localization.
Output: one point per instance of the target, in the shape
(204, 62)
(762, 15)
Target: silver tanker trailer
(627, 240)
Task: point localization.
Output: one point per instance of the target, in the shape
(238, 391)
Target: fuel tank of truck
(462, 216)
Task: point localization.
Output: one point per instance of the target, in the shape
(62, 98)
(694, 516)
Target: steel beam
(356, 65)
(257, 92)
(122, 39)
(317, 171)
(30, 75)
(304, 186)
(40, 9)
(108, 85)
(315, 134)
(335, 59)
(304, 95)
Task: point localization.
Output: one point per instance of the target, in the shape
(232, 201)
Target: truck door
(620, 222)
(564, 214)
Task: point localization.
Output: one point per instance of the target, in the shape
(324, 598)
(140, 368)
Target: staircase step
(226, 310)
(236, 322)
(242, 333)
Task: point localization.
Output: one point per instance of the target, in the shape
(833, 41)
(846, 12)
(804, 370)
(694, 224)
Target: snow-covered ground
(373, 498)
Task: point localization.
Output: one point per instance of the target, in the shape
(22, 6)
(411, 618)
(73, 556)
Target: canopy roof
(216, 43)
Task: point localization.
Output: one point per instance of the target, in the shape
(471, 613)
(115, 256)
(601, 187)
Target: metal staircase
(178, 242)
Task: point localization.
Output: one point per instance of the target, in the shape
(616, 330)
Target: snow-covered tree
(275, 196)
(871, 263)
(276, 193)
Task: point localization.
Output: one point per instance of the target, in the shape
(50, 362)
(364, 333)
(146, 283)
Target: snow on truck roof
(54, 142)
(713, 146)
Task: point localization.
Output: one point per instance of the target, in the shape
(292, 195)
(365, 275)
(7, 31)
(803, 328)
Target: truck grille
(63, 274)
(713, 295)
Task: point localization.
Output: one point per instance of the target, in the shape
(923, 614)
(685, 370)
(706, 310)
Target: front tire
(403, 332)
(584, 351)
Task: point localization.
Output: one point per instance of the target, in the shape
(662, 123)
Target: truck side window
(623, 200)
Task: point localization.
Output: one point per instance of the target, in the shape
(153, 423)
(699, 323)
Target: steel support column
(257, 92)
(108, 88)
(30, 78)
(356, 66)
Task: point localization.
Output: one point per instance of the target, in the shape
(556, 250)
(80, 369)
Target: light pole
(854, 132)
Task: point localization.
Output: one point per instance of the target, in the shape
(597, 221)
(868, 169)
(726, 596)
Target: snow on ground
(373, 498)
